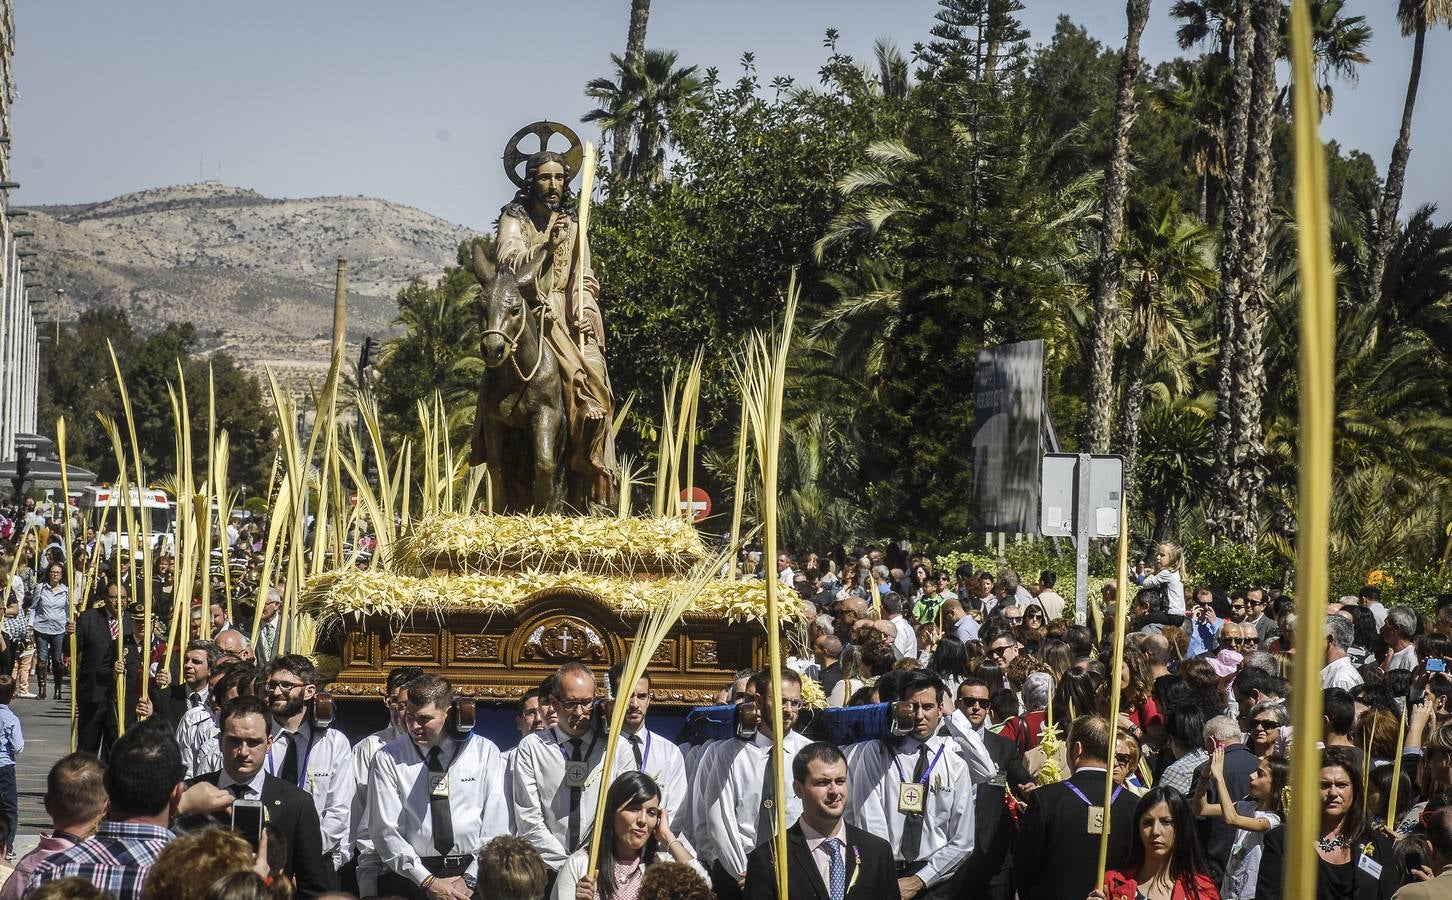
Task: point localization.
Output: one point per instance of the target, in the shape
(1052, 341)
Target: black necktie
(766, 813)
(912, 827)
(288, 772)
(195, 699)
(634, 740)
(239, 791)
(574, 834)
(440, 816)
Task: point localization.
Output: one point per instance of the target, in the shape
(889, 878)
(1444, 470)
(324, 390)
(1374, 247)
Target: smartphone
(247, 820)
(1436, 665)
(1414, 860)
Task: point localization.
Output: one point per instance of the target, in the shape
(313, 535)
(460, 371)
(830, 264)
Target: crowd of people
(982, 771)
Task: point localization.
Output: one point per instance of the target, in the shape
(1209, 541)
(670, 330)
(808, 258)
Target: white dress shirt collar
(254, 787)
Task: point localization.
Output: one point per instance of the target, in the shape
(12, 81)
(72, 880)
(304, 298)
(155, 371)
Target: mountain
(253, 274)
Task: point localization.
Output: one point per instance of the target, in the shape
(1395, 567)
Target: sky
(413, 102)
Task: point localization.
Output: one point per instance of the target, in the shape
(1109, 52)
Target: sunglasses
(971, 702)
(1238, 641)
(1013, 620)
(1123, 759)
(1264, 724)
(999, 651)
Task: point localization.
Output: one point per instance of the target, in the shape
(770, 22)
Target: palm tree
(646, 97)
(1415, 16)
(1108, 272)
(1169, 274)
(634, 50)
(1338, 44)
(1198, 90)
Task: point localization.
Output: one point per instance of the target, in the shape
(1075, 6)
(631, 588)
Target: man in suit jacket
(97, 668)
(1240, 764)
(1057, 849)
(988, 871)
(827, 858)
(245, 739)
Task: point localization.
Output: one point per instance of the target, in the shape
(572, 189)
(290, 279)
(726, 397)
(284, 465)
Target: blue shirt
(12, 742)
(1204, 636)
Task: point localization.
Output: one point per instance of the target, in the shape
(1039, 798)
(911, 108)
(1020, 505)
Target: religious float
(495, 603)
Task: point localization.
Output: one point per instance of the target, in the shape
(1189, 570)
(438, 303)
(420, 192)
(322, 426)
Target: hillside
(254, 274)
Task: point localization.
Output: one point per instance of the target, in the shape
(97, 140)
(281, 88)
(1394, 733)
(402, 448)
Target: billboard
(1008, 415)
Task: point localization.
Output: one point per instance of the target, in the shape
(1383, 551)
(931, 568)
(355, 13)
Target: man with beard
(735, 799)
(538, 229)
(556, 778)
(317, 760)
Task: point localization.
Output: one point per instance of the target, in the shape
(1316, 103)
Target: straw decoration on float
(1317, 416)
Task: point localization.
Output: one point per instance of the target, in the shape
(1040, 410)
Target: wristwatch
(470, 881)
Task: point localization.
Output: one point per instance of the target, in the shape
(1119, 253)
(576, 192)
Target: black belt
(904, 869)
(447, 866)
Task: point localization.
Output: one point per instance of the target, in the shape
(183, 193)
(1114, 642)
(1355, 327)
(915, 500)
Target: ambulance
(105, 501)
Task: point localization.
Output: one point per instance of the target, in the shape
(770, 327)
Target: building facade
(19, 347)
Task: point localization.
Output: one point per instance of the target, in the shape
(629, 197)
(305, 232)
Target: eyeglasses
(1013, 620)
(573, 704)
(791, 704)
(1123, 759)
(1238, 641)
(999, 651)
(1264, 724)
(971, 702)
(284, 686)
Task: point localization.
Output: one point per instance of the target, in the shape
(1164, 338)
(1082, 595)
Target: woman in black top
(1356, 863)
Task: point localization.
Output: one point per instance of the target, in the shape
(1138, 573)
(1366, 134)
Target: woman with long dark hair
(1165, 861)
(1356, 862)
(950, 662)
(637, 835)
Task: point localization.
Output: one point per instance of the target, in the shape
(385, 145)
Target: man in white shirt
(905, 644)
(196, 734)
(642, 750)
(556, 778)
(317, 760)
(964, 626)
(1048, 598)
(435, 798)
(1371, 599)
(1339, 671)
(734, 800)
(364, 752)
(784, 571)
(1400, 628)
(916, 793)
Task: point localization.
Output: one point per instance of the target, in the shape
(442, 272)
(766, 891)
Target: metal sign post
(1080, 498)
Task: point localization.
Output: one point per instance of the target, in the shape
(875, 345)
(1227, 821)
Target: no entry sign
(698, 501)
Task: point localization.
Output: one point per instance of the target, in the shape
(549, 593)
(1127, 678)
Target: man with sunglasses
(1256, 605)
(1238, 636)
(315, 758)
(917, 793)
(1202, 626)
(990, 864)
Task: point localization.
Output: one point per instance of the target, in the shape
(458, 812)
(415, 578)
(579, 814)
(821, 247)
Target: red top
(1121, 885)
(1147, 714)
(1024, 730)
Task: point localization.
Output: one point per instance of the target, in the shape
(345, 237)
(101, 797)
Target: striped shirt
(115, 860)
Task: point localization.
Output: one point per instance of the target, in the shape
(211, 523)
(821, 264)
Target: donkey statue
(519, 424)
